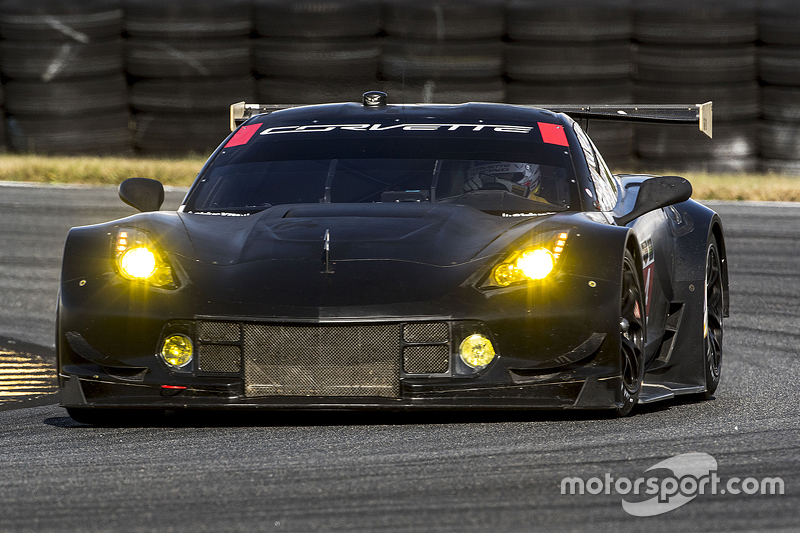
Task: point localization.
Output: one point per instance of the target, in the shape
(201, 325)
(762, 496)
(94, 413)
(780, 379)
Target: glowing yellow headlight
(476, 351)
(533, 263)
(138, 258)
(177, 350)
(536, 264)
(138, 263)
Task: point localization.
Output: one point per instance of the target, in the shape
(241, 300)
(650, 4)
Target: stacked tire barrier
(62, 71)
(187, 61)
(444, 51)
(779, 72)
(576, 52)
(695, 51)
(308, 51)
(156, 77)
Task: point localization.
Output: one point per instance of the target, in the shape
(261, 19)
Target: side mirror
(142, 193)
(656, 193)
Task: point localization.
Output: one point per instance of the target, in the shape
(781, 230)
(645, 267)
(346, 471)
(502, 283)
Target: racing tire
(442, 59)
(53, 61)
(59, 21)
(597, 92)
(165, 134)
(713, 317)
(732, 101)
(312, 91)
(694, 65)
(103, 134)
(312, 19)
(569, 63)
(780, 65)
(587, 21)
(631, 336)
(778, 21)
(732, 140)
(780, 166)
(113, 417)
(462, 20)
(147, 58)
(446, 91)
(780, 140)
(190, 96)
(695, 22)
(302, 58)
(66, 98)
(187, 19)
(779, 103)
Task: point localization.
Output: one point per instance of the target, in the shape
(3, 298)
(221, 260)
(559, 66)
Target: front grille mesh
(426, 359)
(219, 332)
(424, 332)
(322, 360)
(220, 358)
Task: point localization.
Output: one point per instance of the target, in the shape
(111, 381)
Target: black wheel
(713, 318)
(631, 336)
(113, 417)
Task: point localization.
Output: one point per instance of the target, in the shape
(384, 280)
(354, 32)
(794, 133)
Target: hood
(375, 252)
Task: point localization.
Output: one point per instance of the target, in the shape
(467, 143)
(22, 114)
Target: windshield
(317, 168)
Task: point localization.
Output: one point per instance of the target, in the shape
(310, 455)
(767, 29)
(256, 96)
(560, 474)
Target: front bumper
(557, 347)
(584, 377)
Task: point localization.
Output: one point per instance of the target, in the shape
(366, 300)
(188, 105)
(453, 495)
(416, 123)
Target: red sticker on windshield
(553, 134)
(243, 135)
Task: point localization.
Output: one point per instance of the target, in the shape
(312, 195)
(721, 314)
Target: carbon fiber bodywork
(351, 306)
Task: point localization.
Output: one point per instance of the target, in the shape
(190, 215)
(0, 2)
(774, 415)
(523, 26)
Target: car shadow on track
(253, 418)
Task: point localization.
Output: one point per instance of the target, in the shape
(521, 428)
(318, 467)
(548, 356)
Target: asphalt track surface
(479, 472)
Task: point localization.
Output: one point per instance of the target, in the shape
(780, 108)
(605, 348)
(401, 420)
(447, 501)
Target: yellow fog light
(138, 263)
(476, 351)
(536, 264)
(177, 351)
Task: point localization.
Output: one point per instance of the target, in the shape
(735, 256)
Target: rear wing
(700, 114)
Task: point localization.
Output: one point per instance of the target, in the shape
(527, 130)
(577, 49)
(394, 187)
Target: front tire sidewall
(713, 318)
(631, 294)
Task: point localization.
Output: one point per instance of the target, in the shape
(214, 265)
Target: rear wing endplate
(241, 112)
(700, 114)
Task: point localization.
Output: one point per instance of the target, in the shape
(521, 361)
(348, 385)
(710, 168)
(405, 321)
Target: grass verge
(181, 172)
(98, 170)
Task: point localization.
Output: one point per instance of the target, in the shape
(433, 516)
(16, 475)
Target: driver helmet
(522, 179)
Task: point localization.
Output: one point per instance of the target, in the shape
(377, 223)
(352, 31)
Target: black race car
(374, 256)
